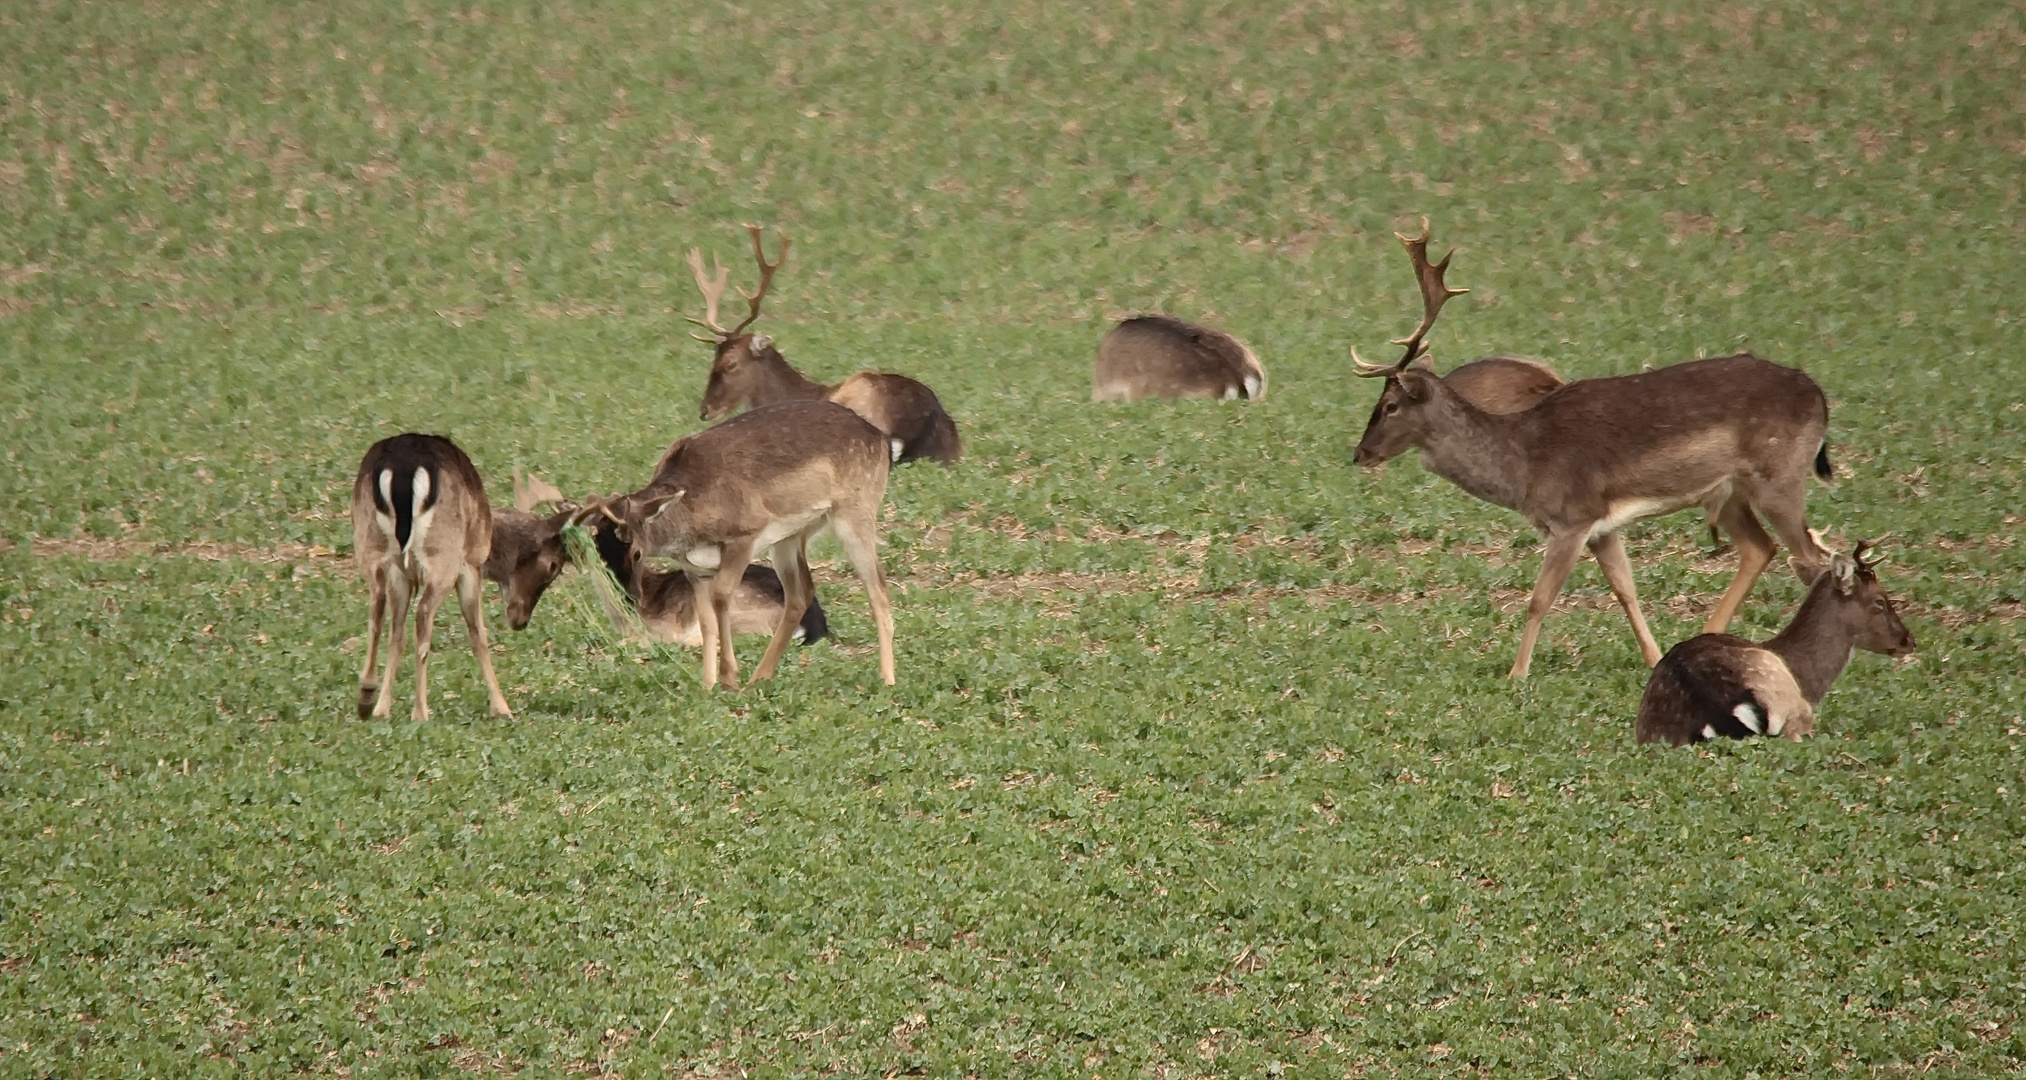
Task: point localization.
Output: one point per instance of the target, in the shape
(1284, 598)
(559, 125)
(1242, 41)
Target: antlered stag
(766, 479)
(1734, 435)
(746, 370)
(420, 525)
(1718, 685)
(1159, 356)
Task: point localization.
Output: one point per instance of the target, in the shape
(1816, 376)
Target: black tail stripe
(402, 486)
(1822, 468)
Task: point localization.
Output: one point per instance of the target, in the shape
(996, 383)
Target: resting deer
(666, 602)
(770, 478)
(1733, 435)
(1158, 356)
(420, 525)
(747, 371)
(1717, 684)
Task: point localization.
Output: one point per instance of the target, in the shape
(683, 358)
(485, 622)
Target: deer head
(527, 548)
(742, 363)
(1402, 413)
(1862, 609)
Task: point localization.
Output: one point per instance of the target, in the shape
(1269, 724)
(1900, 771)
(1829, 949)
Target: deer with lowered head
(765, 480)
(1735, 435)
(421, 527)
(1159, 356)
(747, 370)
(1718, 685)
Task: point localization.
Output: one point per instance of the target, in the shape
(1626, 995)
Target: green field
(1202, 761)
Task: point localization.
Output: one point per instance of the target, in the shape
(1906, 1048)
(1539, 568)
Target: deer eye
(1392, 407)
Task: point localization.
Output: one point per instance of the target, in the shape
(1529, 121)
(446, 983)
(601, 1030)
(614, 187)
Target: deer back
(907, 411)
(1718, 685)
(420, 497)
(1159, 356)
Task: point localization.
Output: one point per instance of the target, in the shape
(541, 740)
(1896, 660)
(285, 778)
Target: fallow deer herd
(1736, 436)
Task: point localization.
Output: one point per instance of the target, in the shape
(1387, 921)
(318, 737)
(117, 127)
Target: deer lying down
(1733, 435)
(421, 526)
(1159, 356)
(666, 602)
(1717, 684)
(766, 479)
(748, 371)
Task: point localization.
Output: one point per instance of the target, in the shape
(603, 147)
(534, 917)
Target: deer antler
(766, 274)
(595, 505)
(1434, 292)
(1857, 553)
(1364, 370)
(712, 289)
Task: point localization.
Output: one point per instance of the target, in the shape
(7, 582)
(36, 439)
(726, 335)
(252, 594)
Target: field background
(1201, 761)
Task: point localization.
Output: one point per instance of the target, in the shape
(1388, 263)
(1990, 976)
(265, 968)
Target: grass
(1201, 762)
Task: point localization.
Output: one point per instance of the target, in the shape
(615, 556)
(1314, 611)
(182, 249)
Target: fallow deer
(420, 525)
(1717, 684)
(770, 478)
(1159, 356)
(747, 370)
(1733, 435)
(528, 552)
(666, 602)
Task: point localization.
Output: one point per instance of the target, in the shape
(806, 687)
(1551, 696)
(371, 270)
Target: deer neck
(1815, 646)
(1481, 453)
(779, 381)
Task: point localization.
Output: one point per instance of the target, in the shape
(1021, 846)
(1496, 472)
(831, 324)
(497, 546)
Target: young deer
(1733, 435)
(527, 548)
(420, 523)
(747, 370)
(1157, 356)
(770, 478)
(666, 602)
(1717, 684)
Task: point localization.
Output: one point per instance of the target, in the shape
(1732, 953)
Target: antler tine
(1364, 370)
(1434, 291)
(712, 289)
(766, 273)
(1857, 554)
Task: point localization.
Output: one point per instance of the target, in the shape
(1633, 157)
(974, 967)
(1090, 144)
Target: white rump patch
(1749, 717)
(703, 557)
(895, 445)
(1252, 387)
(1231, 393)
(420, 521)
(1709, 731)
(1775, 723)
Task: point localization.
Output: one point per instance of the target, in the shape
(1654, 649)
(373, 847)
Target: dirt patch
(100, 550)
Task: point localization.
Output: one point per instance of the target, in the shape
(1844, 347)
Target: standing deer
(666, 602)
(747, 370)
(1717, 684)
(1732, 435)
(1158, 356)
(420, 524)
(770, 478)
(527, 548)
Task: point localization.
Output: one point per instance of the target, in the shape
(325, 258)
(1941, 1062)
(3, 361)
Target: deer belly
(1619, 513)
(782, 528)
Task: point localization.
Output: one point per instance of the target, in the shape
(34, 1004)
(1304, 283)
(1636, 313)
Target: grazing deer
(1158, 356)
(1717, 684)
(770, 478)
(527, 548)
(420, 524)
(1733, 435)
(666, 602)
(747, 371)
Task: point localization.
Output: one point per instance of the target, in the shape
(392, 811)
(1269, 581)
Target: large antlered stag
(1734, 435)
(746, 371)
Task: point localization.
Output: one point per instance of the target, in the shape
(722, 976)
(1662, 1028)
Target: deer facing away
(1718, 685)
(421, 527)
(1734, 435)
(767, 479)
(1159, 356)
(747, 370)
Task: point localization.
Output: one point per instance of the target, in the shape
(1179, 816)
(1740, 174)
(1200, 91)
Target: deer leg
(398, 590)
(1786, 507)
(732, 561)
(376, 621)
(433, 592)
(860, 540)
(700, 589)
(1610, 552)
(1563, 550)
(791, 561)
(471, 599)
(1755, 552)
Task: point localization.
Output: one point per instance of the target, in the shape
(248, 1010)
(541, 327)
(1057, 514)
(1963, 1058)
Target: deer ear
(1844, 571)
(762, 342)
(1414, 384)
(1424, 362)
(653, 509)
